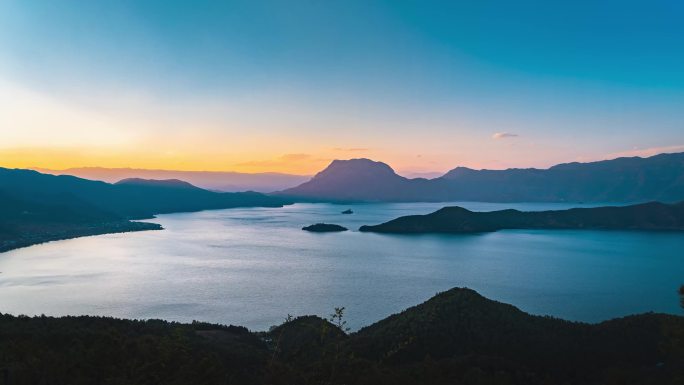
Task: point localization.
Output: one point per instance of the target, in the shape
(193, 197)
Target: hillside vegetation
(457, 337)
(647, 216)
(36, 207)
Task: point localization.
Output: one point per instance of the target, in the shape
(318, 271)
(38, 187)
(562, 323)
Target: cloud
(351, 149)
(646, 152)
(504, 135)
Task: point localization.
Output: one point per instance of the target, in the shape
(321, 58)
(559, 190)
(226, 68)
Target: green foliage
(336, 318)
(86, 350)
(457, 337)
(36, 208)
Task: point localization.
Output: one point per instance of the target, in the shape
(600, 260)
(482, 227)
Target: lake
(253, 267)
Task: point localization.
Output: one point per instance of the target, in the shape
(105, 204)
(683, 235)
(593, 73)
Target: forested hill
(646, 216)
(130, 199)
(457, 337)
(36, 208)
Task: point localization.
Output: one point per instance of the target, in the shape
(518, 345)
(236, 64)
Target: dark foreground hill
(658, 178)
(457, 337)
(36, 207)
(645, 216)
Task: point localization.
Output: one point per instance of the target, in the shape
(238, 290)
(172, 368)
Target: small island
(324, 228)
(348, 211)
(646, 216)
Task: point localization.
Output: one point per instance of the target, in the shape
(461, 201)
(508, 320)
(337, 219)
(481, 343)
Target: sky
(287, 86)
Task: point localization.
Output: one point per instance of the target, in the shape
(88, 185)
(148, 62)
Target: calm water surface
(252, 267)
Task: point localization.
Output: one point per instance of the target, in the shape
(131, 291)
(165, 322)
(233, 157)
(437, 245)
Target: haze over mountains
(38, 207)
(210, 180)
(132, 198)
(657, 178)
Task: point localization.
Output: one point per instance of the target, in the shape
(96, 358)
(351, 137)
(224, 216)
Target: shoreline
(73, 232)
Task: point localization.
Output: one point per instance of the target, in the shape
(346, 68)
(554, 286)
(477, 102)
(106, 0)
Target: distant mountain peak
(660, 177)
(358, 165)
(458, 171)
(228, 181)
(177, 183)
(342, 179)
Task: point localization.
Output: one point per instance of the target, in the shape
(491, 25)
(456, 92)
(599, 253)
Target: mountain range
(634, 179)
(37, 207)
(130, 198)
(225, 181)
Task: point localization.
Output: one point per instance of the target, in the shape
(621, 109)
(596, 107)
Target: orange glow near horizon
(39, 130)
(213, 158)
(129, 129)
(179, 88)
(292, 163)
(60, 159)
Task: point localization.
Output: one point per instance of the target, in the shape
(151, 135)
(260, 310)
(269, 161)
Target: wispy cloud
(646, 152)
(351, 149)
(504, 135)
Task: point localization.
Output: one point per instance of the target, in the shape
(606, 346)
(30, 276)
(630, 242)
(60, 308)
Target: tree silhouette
(336, 319)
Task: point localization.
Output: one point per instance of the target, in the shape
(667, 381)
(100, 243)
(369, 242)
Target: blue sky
(289, 85)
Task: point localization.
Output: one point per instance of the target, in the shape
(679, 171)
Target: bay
(254, 266)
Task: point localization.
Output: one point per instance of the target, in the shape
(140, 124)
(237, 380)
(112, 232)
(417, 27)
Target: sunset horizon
(326, 192)
(200, 88)
(312, 166)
